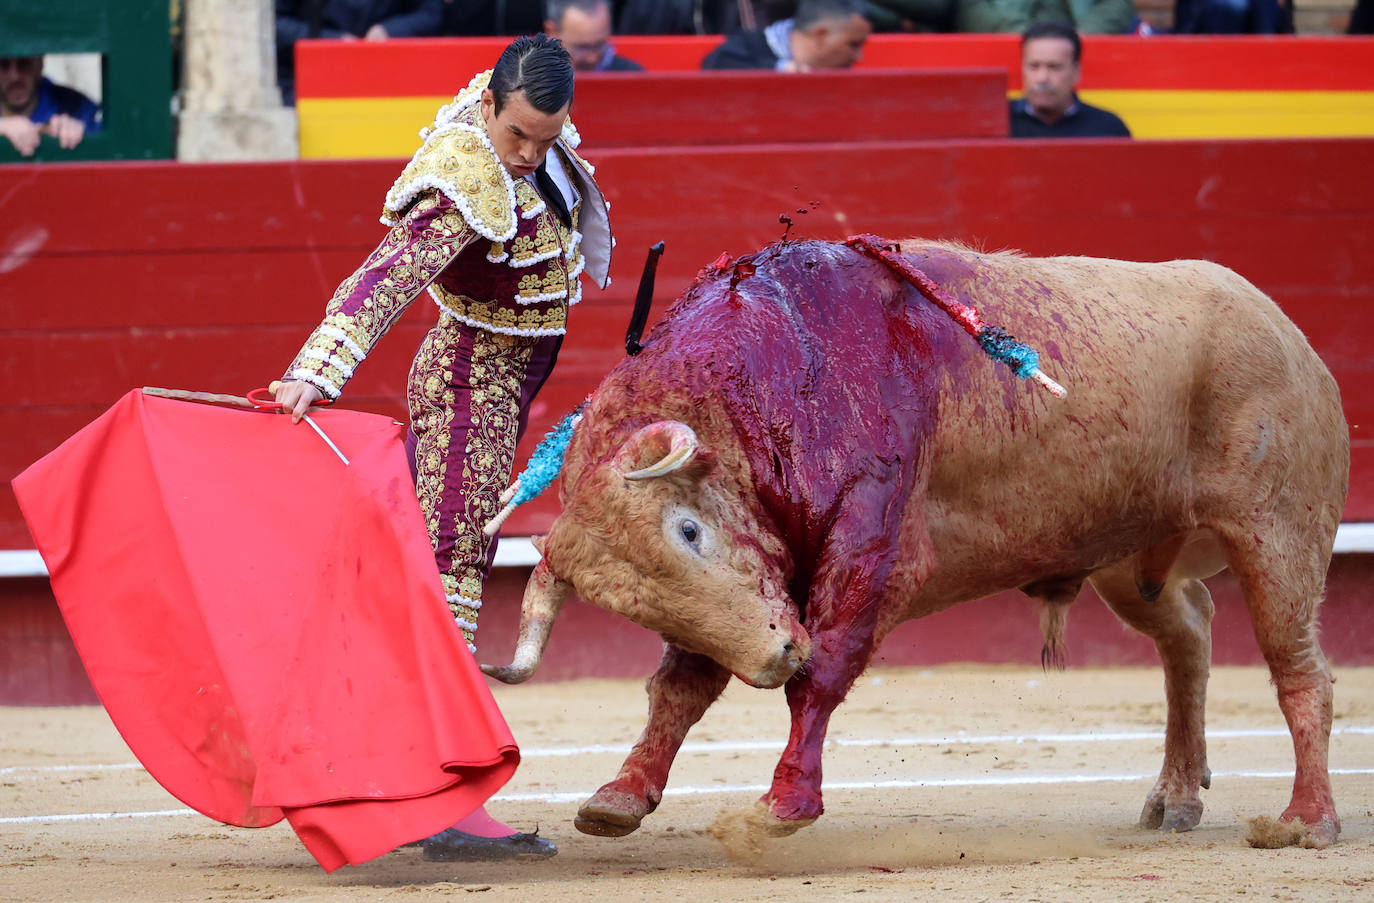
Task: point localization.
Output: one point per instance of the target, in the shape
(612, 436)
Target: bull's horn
(682, 446)
(544, 596)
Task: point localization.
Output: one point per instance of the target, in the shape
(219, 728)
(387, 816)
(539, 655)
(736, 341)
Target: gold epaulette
(458, 160)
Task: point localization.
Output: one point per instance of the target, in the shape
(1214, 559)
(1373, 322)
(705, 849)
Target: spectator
(469, 18)
(32, 106)
(910, 15)
(1232, 17)
(1361, 18)
(347, 20)
(1050, 108)
(699, 16)
(824, 34)
(1087, 16)
(584, 27)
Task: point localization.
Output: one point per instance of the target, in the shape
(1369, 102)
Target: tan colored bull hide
(844, 457)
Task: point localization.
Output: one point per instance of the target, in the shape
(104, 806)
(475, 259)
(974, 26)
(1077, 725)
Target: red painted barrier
(656, 109)
(209, 276)
(434, 66)
(41, 667)
(674, 108)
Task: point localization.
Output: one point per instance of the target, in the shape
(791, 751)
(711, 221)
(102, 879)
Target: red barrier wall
(689, 108)
(209, 276)
(39, 665)
(425, 66)
(748, 107)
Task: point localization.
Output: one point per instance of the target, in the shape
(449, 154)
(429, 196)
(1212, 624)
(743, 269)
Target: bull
(808, 452)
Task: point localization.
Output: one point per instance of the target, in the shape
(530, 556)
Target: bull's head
(653, 533)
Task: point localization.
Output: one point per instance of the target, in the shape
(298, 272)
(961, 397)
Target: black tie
(552, 196)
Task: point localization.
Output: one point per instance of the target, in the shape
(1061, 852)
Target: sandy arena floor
(954, 783)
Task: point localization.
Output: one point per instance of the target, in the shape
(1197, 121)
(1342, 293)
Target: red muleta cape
(266, 626)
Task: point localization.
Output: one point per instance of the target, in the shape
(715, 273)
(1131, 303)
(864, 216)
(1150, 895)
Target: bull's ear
(657, 449)
(538, 543)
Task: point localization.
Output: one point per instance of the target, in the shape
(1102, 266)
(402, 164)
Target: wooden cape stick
(227, 401)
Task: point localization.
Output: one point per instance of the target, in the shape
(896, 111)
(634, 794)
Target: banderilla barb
(1023, 360)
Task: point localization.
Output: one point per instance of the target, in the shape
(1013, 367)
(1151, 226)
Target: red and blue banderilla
(1023, 360)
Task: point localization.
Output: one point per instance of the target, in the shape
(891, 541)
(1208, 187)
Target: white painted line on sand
(57, 769)
(725, 746)
(947, 740)
(92, 816)
(721, 789)
(829, 786)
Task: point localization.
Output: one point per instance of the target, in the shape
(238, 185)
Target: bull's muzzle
(788, 658)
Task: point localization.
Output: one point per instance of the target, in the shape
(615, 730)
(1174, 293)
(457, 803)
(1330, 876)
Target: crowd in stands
(783, 35)
(790, 35)
(779, 34)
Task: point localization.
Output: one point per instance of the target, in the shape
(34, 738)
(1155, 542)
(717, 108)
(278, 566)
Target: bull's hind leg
(1282, 573)
(1179, 621)
(680, 692)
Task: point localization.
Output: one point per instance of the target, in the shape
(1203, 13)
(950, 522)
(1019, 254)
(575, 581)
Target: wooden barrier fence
(208, 276)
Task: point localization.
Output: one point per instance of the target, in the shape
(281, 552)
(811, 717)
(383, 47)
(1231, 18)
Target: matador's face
(521, 134)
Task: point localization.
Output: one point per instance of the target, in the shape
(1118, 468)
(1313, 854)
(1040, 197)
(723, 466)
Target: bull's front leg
(844, 609)
(680, 692)
(794, 800)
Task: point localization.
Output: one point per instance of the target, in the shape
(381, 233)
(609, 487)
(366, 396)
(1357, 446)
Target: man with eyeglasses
(584, 27)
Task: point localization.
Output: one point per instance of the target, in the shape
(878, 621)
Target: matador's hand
(295, 397)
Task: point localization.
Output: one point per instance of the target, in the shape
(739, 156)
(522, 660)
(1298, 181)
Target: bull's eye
(690, 531)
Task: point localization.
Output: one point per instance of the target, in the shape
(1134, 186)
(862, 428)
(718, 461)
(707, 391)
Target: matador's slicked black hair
(538, 66)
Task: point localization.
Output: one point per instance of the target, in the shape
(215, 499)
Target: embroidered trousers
(469, 395)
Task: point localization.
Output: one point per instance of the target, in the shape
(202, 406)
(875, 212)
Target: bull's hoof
(775, 827)
(599, 827)
(1265, 832)
(1180, 817)
(1152, 816)
(612, 813)
(1323, 833)
(1322, 824)
(1183, 817)
(790, 811)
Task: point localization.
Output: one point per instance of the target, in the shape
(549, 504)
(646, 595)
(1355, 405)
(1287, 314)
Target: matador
(499, 239)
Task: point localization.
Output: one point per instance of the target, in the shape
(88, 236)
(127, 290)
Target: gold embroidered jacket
(488, 248)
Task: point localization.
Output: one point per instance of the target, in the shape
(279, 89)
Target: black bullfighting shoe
(452, 845)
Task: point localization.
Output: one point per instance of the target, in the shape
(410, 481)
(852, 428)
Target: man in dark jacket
(1050, 108)
(584, 27)
(1003, 16)
(824, 34)
(698, 16)
(372, 20)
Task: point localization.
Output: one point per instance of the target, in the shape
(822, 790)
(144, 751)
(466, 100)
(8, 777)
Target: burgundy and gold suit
(503, 269)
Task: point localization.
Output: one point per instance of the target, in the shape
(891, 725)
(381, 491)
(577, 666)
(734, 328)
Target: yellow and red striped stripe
(368, 99)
